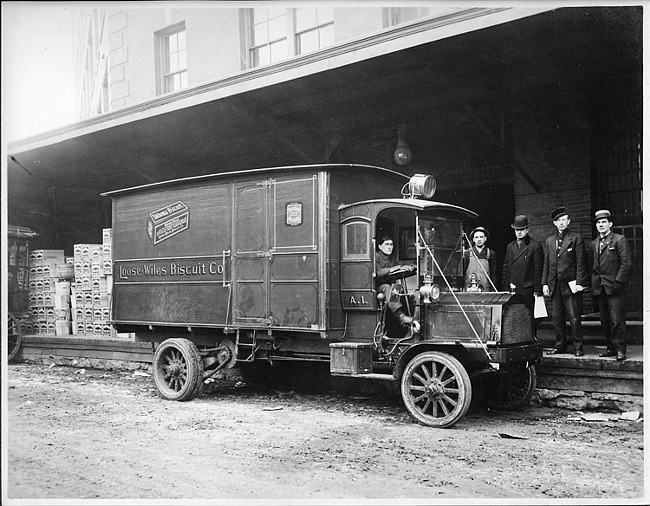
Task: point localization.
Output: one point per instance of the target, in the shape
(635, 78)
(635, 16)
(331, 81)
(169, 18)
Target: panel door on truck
(276, 262)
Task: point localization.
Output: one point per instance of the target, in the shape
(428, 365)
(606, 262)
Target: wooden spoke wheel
(178, 369)
(509, 389)
(14, 337)
(436, 389)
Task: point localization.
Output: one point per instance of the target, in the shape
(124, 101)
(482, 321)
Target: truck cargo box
(248, 249)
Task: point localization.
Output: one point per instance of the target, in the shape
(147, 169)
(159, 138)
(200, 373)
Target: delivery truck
(279, 264)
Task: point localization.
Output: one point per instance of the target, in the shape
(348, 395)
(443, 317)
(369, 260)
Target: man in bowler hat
(522, 269)
(611, 265)
(563, 278)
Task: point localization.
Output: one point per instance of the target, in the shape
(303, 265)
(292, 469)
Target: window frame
(291, 36)
(317, 28)
(345, 254)
(162, 37)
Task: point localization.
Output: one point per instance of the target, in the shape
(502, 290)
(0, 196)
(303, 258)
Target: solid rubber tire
(178, 369)
(456, 386)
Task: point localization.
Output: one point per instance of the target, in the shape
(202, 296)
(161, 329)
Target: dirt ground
(106, 435)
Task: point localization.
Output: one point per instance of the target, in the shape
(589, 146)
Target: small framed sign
(294, 214)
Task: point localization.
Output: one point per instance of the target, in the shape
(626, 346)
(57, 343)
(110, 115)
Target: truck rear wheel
(511, 388)
(436, 389)
(177, 369)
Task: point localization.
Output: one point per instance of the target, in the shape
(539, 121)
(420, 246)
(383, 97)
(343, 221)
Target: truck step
(368, 375)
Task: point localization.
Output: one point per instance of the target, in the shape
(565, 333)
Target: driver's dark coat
(383, 263)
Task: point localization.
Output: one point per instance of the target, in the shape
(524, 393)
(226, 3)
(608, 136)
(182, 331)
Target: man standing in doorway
(522, 269)
(563, 278)
(612, 263)
(480, 263)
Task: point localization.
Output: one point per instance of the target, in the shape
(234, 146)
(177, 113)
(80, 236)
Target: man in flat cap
(563, 278)
(612, 262)
(522, 269)
(480, 263)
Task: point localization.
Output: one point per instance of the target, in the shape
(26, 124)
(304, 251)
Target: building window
(276, 34)
(174, 59)
(314, 29)
(268, 36)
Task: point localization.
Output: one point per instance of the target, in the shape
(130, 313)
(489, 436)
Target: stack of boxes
(93, 280)
(49, 292)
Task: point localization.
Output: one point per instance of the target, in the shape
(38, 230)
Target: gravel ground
(106, 435)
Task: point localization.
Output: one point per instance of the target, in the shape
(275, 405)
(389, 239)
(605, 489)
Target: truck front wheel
(436, 389)
(177, 369)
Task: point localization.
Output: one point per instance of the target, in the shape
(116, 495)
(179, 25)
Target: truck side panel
(169, 263)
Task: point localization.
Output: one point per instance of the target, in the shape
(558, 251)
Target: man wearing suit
(612, 262)
(522, 269)
(563, 278)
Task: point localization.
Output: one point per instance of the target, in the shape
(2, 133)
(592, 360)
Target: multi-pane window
(174, 55)
(314, 29)
(276, 34)
(268, 36)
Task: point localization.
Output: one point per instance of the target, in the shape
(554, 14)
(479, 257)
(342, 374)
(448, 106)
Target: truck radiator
(516, 325)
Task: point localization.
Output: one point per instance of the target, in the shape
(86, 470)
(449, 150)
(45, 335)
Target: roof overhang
(369, 46)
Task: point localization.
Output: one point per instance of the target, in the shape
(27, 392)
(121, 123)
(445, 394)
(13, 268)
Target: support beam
(494, 140)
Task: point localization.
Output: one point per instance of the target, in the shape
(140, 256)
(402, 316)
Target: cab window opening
(441, 236)
(356, 241)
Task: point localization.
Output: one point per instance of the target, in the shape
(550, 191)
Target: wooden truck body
(279, 264)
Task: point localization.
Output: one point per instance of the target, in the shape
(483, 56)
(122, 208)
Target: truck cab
(457, 337)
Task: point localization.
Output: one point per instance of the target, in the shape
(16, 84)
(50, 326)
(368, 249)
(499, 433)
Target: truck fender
(456, 350)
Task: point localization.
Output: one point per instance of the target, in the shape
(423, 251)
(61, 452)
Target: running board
(367, 375)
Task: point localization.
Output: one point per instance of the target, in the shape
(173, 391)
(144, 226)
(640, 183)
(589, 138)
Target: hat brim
(519, 228)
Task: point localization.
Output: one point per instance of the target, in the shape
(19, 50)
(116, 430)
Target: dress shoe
(556, 351)
(620, 356)
(580, 353)
(608, 353)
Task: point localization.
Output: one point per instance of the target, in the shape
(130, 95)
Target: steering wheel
(400, 271)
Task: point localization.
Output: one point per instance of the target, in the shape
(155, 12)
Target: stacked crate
(49, 292)
(93, 276)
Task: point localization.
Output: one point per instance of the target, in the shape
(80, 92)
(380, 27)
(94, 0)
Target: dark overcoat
(612, 264)
(523, 267)
(569, 265)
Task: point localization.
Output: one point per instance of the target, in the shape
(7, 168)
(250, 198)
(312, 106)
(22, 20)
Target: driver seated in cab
(386, 267)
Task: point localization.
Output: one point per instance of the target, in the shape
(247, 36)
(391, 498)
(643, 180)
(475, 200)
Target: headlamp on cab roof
(420, 186)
